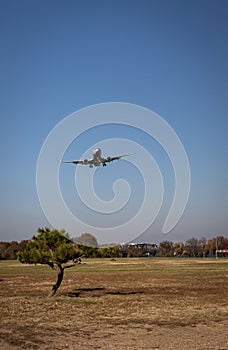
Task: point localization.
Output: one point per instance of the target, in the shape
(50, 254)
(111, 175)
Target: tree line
(193, 247)
(89, 248)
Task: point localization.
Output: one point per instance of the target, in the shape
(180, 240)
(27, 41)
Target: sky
(59, 57)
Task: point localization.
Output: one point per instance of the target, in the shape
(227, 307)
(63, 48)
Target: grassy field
(116, 304)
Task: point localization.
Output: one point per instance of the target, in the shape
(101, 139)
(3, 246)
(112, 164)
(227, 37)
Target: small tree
(52, 248)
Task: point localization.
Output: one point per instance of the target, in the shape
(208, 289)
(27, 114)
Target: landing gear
(91, 166)
(104, 164)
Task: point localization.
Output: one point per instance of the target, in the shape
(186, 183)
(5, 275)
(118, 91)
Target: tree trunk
(58, 282)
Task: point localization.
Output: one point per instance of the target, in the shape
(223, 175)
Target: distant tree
(3, 250)
(12, 250)
(178, 248)
(9, 250)
(133, 251)
(86, 239)
(165, 249)
(185, 253)
(225, 246)
(115, 252)
(52, 248)
(210, 247)
(109, 252)
(87, 251)
(201, 247)
(220, 241)
(192, 246)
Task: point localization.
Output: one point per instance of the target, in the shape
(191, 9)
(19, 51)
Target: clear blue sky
(60, 56)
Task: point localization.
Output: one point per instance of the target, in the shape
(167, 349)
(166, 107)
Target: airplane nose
(96, 150)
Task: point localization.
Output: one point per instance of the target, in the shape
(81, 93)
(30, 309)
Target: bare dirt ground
(124, 304)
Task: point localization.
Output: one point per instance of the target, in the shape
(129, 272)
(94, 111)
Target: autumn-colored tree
(220, 241)
(178, 248)
(210, 246)
(53, 248)
(9, 250)
(165, 249)
(225, 246)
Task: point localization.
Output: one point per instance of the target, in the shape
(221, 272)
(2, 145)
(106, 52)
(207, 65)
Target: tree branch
(75, 262)
(51, 264)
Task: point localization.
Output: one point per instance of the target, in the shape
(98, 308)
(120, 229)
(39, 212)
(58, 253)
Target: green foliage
(108, 252)
(49, 247)
(53, 248)
(87, 252)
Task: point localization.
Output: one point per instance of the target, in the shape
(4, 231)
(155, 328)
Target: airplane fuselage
(97, 159)
(97, 156)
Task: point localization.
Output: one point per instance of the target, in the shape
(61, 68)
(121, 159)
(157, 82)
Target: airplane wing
(72, 161)
(110, 159)
(85, 161)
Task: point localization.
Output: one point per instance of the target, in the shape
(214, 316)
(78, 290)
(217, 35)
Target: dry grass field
(121, 304)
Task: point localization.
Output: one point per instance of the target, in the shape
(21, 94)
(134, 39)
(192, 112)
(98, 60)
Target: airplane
(97, 159)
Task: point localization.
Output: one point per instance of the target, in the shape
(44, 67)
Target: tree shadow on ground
(98, 292)
(85, 292)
